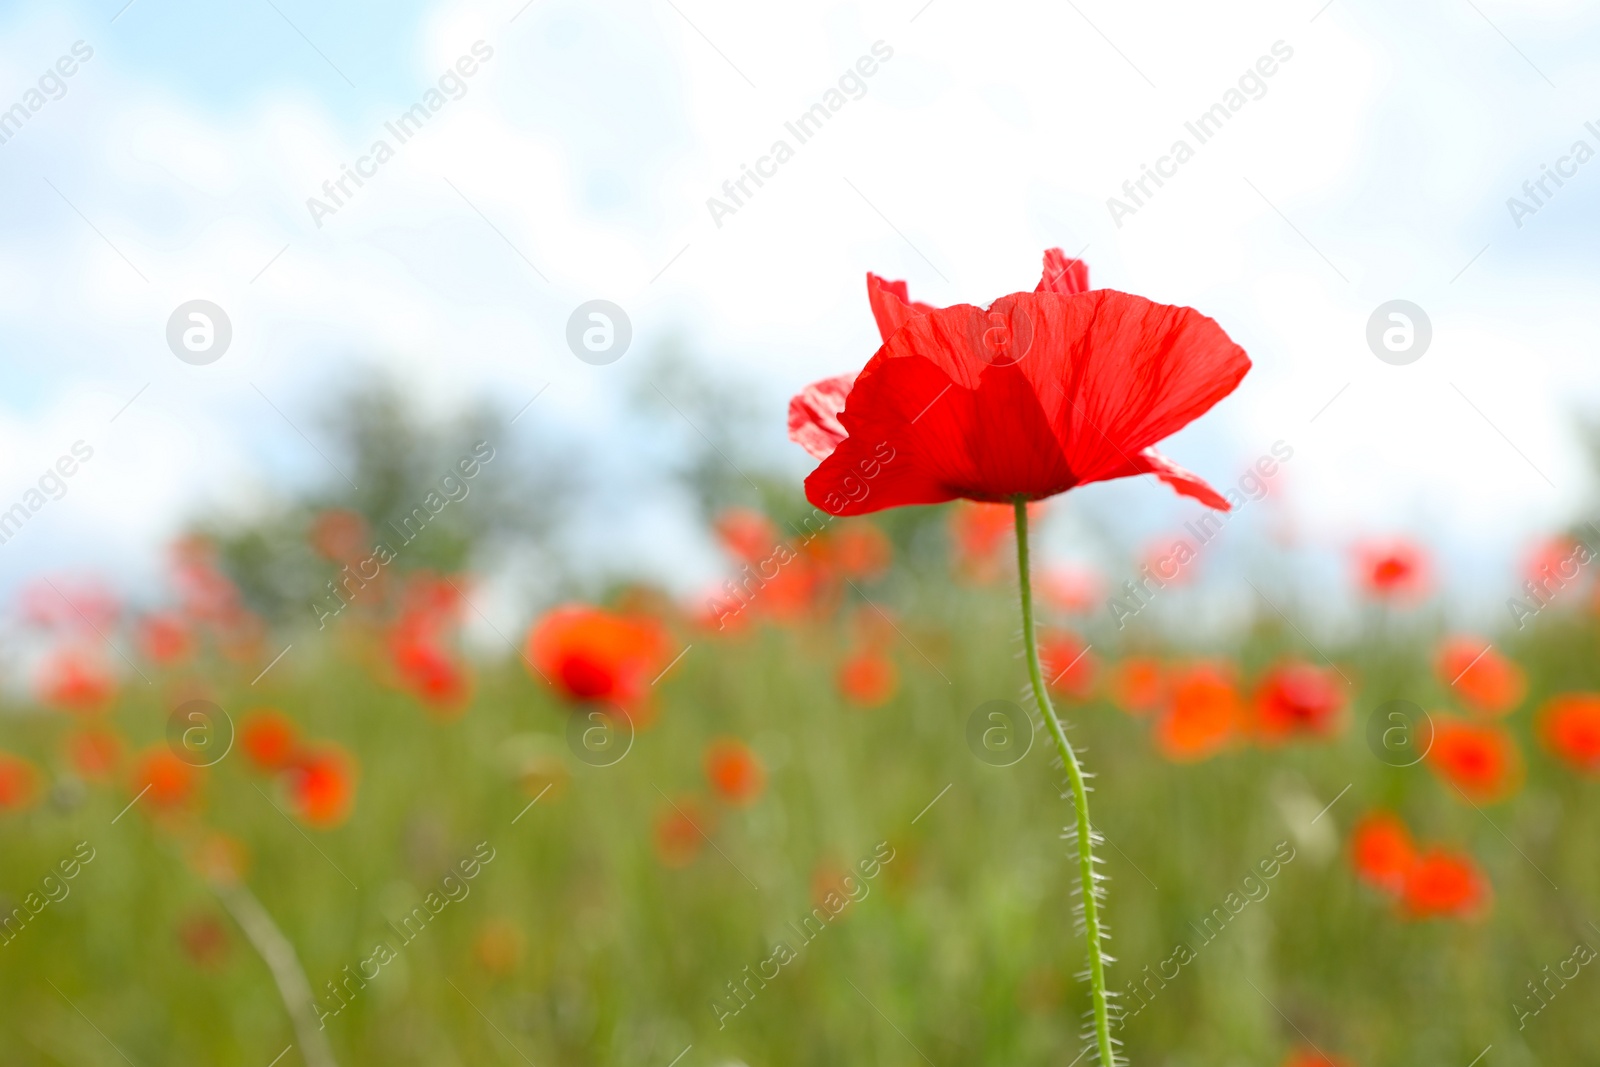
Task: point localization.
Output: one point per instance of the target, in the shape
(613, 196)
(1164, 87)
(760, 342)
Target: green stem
(1080, 799)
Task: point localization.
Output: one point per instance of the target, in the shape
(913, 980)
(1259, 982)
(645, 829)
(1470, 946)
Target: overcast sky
(576, 162)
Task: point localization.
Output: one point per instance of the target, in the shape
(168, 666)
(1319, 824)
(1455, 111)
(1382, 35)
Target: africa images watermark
(1553, 577)
(53, 889)
(1566, 167)
(52, 482)
(1207, 125)
(1254, 889)
(802, 129)
(452, 489)
(1252, 485)
(832, 905)
(743, 589)
(406, 126)
(52, 85)
(1551, 984)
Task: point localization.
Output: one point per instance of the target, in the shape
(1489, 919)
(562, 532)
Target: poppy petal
(1185, 483)
(1063, 275)
(1035, 395)
(814, 415)
(892, 305)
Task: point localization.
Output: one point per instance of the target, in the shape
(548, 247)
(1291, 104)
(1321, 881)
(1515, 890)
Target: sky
(579, 160)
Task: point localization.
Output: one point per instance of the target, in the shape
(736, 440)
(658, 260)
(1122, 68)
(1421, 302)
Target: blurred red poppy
(1487, 681)
(1569, 725)
(1381, 851)
(868, 678)
(20, 783)
(171, 782)
(860, 550)
(748, 535)
(1553, 562)
(204, 940)
(1480, 759)
(1391, 570)
(339, 535)
(1445, 884)
(322, 786)
(1310, 1057)
(76, 679)
(1298, 700)
(735, 772)
(269, 739)
(978, 531)
(589, 654)
(84, 606)
(1203, 716)
(1073, 589)
(431, 673)
(498, 946)
(95, 753)
(680, 831)
(1138, 685)
(165, 638)
(1069, 668)
(1035, 395)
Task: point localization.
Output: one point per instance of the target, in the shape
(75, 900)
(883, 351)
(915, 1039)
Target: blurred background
(394, 223)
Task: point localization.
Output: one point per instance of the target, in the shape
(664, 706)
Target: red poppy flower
(75, 679)
(1445, 884)
(1487, 681)
(171, 782)
(1298, 700)
(1036, 394)
(735, 772)
(680, 831)
(1555, 561)
(499, 945)
(1310, 1057)
(747, 534)
(1392, 570)
(20, 783)
(1137, 685)
(322, 786)
(860, 550)
(978, 531)
(204, 940)
(592, 655)
(339, 535)
(95, 753)
(165, 638)
(1570, 727)
(1068, 666)
(1480, 759)
(1203, 717)
(1381, 851)
(269, 739)
(868, 678)
(431, 673)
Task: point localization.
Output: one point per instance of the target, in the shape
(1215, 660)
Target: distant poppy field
(822, 812)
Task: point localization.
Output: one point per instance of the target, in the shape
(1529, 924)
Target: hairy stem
(1080, 799)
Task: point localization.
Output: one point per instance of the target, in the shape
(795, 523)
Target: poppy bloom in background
(171, 782)
(1036, 394)
(95, 753)
(1444, 884)
(498, 946)
(1487, 681)
(75, 679)
(322, 786)
(978, 532)
(1203, 715)
(20, 783)
(1068, 666)
(1310, 1057)
(1138, 685)
(592, 655)
(1071, 589)
(432, 673)
(1480, 759)
(680, 831)
(204, 940)
(1392, 570)
(1569, 725)
(1298, 700)
(868, 678)
(860, 550)
(269, 739)
(165, 638)
(747, 534)
(1554, 562)
(1382, 852)
(734, 771)
(339, 535)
